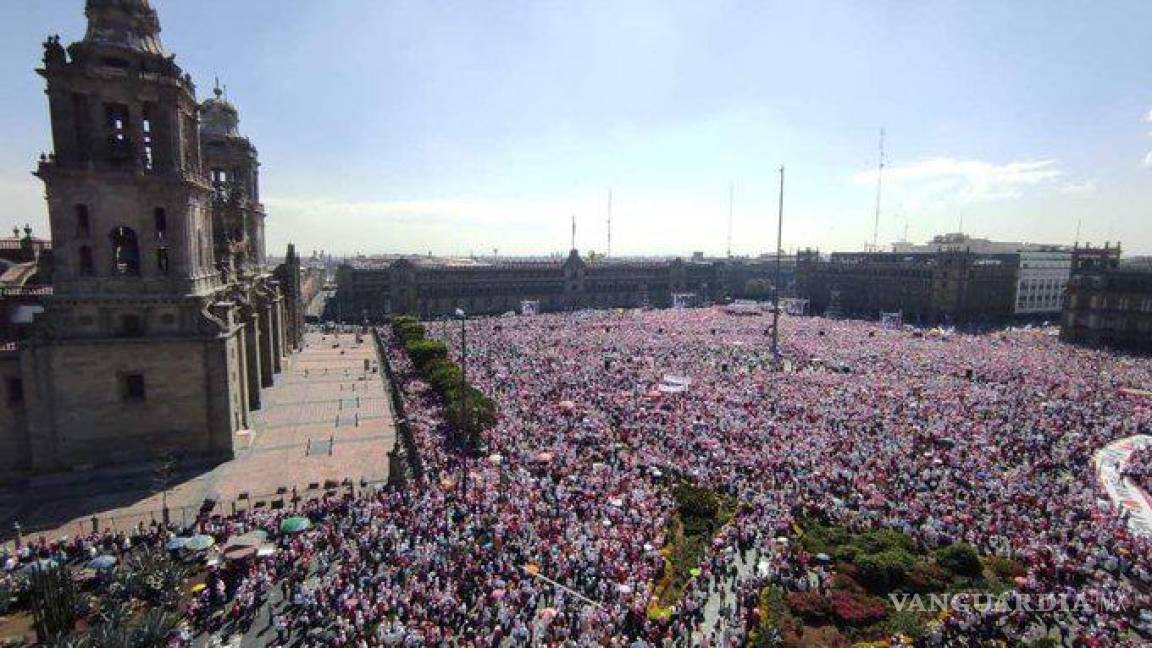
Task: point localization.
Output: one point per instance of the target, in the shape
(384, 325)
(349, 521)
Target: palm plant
(55, 601)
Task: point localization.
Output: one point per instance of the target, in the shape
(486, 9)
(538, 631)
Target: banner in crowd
(674, 384)
(1110, 461)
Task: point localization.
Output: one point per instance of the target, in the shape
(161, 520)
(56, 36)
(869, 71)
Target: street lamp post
(462, 430)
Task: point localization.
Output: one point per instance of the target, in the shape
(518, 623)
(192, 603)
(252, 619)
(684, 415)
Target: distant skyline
(456, 128)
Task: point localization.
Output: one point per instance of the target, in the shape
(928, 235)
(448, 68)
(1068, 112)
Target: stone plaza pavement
(324, 421)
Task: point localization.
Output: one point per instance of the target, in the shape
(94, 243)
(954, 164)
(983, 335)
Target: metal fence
(403, 429)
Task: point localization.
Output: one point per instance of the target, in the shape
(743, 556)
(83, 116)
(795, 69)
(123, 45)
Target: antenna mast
(879, 185)
(573, 231)
(731, 199)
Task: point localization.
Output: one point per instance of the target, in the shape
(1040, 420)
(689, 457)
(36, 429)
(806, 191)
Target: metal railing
(403, 429)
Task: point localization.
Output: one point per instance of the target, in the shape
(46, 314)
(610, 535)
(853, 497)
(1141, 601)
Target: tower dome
(218, 117)
(126, 24)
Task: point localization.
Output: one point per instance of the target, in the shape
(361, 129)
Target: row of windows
(84, 222)
(1116, 303)
(124, 244)
(132, 389)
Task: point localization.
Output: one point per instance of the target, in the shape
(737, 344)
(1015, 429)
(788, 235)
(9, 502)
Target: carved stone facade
(163, 323)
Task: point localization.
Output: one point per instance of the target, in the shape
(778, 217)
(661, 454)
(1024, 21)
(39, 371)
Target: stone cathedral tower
(164, 322)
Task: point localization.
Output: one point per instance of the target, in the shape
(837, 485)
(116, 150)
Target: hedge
(424, 352)
(410, 332)
(472, 411)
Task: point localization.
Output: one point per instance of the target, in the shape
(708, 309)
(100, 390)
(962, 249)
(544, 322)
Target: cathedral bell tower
(128, 201)
(137, 352)
(233, 167)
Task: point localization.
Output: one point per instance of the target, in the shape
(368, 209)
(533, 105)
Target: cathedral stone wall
(14, 456)
(131, 401)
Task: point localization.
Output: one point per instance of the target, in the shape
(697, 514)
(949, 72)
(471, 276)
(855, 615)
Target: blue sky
(458, 127)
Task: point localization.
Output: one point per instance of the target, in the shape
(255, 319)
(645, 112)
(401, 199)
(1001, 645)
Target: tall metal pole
(463, 431)
(776, 290)
(879, 185)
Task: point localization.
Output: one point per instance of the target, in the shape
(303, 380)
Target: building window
(126, 251)
(160, 219)
(146, 125)
(131, 326)
(116, 123)
(162, 260)
(15, 392)
(83, 222)
(87, 267)
(132, 387)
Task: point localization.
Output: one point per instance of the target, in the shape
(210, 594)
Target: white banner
(674, 384)
(1110, 461)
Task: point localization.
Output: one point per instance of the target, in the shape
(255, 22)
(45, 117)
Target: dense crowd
(1139, 468)
(552, 534)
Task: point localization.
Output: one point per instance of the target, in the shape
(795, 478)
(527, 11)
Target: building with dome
(162, 320)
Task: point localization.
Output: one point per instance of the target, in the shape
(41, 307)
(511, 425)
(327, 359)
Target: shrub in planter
(882, 540)
(696, 502)
(818, 538)
(882, 572)
(822, 637)
(846, 553)
(399, 320)
(856, 609)
(927, 577)
(410, 332)
(775, 613)
(844, 582)
(960, 558)
(907, 623)
(1005, 568)
(473, 411)
(813, 607)
(443, 374)
(424, 352)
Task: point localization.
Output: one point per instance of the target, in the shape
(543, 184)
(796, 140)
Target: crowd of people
(1139, 468)
(982, 439)
(552, 534)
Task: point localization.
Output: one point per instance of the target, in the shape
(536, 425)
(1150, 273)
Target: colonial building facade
(163, 323)
(431, 288)
(943, 287)
(1107, 304)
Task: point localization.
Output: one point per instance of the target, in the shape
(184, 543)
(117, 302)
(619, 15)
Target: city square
(572, 326)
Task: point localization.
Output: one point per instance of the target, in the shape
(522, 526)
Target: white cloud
(1148, 117)
(948, 180)
(1085, 188)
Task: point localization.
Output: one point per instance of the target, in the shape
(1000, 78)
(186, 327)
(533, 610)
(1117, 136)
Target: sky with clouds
(458, 127)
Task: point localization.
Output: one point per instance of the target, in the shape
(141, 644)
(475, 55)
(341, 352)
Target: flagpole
(776, 290)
